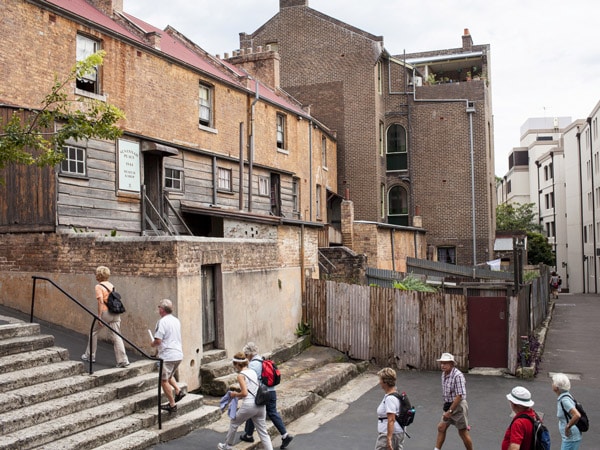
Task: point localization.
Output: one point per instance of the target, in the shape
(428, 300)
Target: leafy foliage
(414, 284)
(23, 141)
(517, 217)
(539, 250)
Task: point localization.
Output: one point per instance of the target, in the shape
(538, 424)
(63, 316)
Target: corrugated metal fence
(405, 329)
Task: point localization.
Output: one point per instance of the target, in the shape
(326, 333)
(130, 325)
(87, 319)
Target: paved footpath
(346, 419)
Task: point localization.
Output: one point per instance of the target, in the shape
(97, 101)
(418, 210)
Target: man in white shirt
(167, 337)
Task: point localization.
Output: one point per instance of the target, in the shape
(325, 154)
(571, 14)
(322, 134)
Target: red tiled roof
(175, 48)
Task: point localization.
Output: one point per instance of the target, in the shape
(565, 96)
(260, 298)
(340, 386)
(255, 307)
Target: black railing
(96, 318)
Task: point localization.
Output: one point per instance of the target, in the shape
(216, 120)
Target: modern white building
(536, 175)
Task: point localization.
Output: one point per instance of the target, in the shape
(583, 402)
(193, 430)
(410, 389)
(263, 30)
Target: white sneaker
(224, 446)
(85, 357)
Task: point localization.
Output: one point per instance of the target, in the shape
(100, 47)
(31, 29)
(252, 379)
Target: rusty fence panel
(388, 326)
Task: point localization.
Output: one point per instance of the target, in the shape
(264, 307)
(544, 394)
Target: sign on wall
(129, 166)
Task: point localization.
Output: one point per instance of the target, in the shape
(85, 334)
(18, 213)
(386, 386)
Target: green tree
(24, 141)
(539, 250)
(517, 217)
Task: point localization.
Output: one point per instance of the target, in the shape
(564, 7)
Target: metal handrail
(96, 318)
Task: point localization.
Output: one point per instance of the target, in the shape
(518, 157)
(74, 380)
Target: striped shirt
(453, 384)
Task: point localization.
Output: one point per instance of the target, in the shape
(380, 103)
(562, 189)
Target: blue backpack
(541, 435)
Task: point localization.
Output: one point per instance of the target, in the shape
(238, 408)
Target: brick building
(415, 131)
(229, 160)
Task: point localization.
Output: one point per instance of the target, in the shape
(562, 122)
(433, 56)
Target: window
(379, 78)
(296, 194)
(85, 48)
(74, 162)
(224, 179)
(318, 201)
(381, 133)
(324, 151)
(206, 107)
(280, 131)
(509, 186)
(396, 148)
(382, 201)
(447, 255)
(173, 179)
(263, 187)
(398, 206)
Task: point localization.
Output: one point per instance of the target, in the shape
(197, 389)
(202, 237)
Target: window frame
(66, 172)
(402, 217)
(90, 83)
(228, 179)
(324, 152)
(264, 186)
(281, 131)
(396, 155)
(318, 194)
(179, 179)
(206, 104)
(296, 195)
(451, 251)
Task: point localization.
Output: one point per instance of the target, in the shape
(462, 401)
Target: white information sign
(129, 166)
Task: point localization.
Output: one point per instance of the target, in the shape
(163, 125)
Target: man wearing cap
(519, 434)
(454, 392)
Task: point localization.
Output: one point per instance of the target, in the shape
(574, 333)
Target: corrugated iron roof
(175, 47)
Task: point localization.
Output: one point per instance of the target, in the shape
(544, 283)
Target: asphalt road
(348, 420)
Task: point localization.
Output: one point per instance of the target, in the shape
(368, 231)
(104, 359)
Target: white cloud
(544, 54)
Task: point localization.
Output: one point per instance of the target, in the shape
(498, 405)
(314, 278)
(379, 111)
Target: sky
(545, 57)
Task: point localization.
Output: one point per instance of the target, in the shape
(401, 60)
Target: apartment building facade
(415, 131)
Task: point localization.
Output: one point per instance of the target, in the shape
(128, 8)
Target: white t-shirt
(389, 404)
(168, 330)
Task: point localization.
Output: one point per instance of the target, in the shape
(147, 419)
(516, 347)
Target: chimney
(290, 3)
(467, 40)
(261, 65)
(154, 39)
(108, 7)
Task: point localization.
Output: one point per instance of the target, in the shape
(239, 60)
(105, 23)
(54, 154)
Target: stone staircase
(48, 401)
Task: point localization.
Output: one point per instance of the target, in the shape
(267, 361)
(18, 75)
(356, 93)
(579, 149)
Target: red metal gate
(488, 331)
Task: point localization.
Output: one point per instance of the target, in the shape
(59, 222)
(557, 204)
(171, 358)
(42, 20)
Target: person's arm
(243, 387)
(514, 447)
(455, 402)
(391, 421)
(156, 342)
(575, 416)
(100, 300)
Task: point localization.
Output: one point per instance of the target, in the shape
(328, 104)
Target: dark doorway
(488, 331)
(210, 328)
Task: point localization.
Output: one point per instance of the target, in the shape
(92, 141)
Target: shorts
(169, 368)
(460, 417)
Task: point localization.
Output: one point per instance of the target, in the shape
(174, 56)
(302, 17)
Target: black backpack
(541, 435)
(583, 424)
(406, 416)
(114, 303)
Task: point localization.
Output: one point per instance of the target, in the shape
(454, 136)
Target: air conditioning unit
(416, 81)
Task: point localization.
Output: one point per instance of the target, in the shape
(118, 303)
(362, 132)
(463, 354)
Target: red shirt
(520, 431)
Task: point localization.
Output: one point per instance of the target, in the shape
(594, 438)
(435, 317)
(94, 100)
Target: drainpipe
(241, 169)
(310, 171)
(554, 206)
(470, 111)
(589, 122)
(584, 258)
(537, 164)
(251, 149)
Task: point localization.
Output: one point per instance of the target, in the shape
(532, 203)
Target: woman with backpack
(567, 413)
(554, 284)
(248, 381)
(390, 436)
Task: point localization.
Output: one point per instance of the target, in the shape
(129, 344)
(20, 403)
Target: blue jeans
(272, 414)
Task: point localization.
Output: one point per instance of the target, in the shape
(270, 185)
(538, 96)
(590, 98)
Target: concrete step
(213, 355)
(68, 422)
(98, 393)
(34, 358)
(19, 329)
(306, 380)
(34, 375)
(22, 344)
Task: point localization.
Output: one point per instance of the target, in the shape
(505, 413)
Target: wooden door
(488, 331)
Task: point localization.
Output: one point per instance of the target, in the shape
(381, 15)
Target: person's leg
(466, 438)
(243, 414)
(248, 430)
(94, 342)
(398, 441)
(114, 321)
(441, 434)
(166, 387)
(261, 427)
(273, 415)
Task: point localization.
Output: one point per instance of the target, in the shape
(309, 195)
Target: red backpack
(270, 375)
